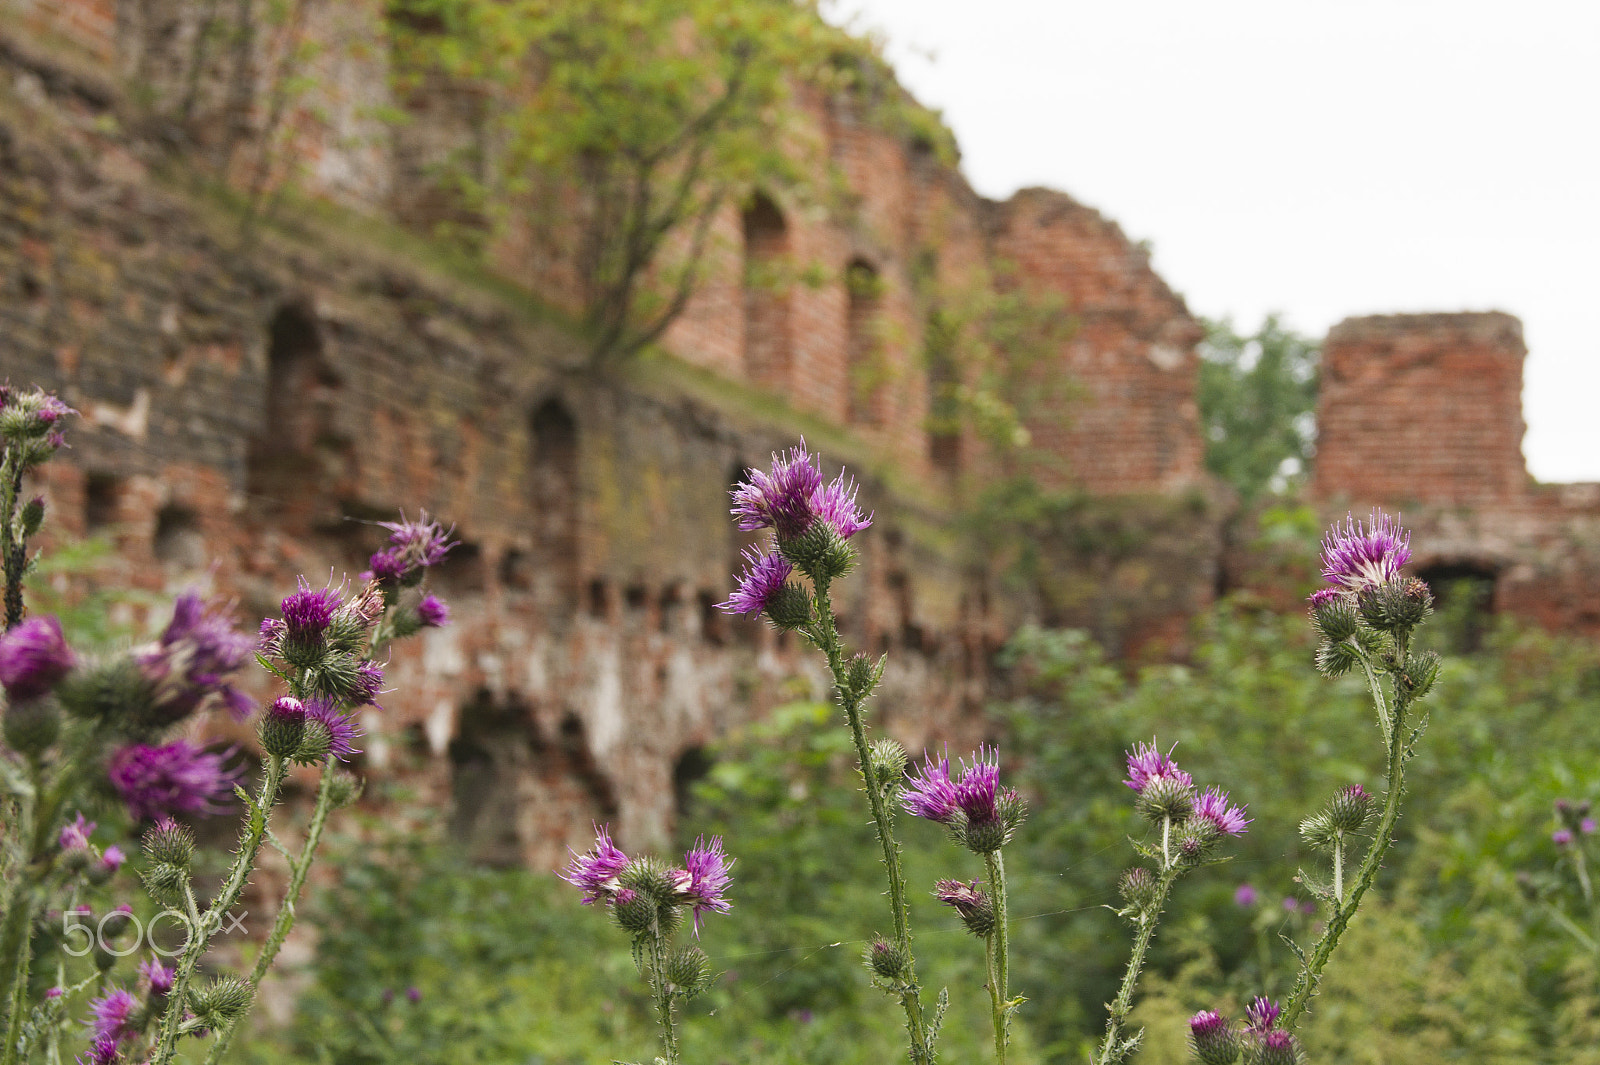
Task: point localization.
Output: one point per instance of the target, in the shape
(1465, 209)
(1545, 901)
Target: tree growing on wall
(617, 130)
(1258, 402)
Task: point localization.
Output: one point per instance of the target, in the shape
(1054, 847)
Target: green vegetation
(1447, 963)
(622, 129)
(1258, 403)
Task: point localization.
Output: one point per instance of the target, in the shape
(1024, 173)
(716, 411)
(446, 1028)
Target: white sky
(1331, 159)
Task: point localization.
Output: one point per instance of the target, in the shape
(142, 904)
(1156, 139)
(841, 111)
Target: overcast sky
(1323, 160)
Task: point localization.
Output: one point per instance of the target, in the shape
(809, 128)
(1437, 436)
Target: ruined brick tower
(1425, 408)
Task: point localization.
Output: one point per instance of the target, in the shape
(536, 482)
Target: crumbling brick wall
(1128, 421)
(1423, 407)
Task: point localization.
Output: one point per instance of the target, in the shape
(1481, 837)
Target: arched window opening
(768, 353)
(691, 767)
(1463, 602)
(864, 342)
(299, 403)
(486, 759)
(102, 501)
(554, 483)
(178, 541)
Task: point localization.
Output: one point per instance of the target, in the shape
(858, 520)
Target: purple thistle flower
(1213, 806)
(704, 877)
(189, 665)
(179, 778)
(1356, 556)
(111, 860)
(343, 728)
(969, 902)
(596, 871)
(34, 656)
(75, 836)
(930, 793)
(413, 995)
(157, 975)
(55, 992)
(1207, 1025)
(1291, 904)
(763, 578)
(1245, 897)
(104, 1051)
(979, 785)
(1146, 763)
(417, 544)
(782, 499)
(307, 612)
(1586, 826)
(111, 1012)
(835, 503)
(369, 684)
(1561, 837)
(433, 613)
(1323, 596)
(1278, 1048)
(1262, 1013)
(385, 565)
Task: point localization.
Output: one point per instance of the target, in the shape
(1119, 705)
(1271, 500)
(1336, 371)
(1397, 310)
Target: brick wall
(1128, 421)
(1423, 408)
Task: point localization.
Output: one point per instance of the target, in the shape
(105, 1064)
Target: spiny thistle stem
(284, 922)
(1310, 975)
(1116, 1048)
(826, 637)
(997, 957)
(1338, 870)
(662, 992)
(204, 925)
(16, 548)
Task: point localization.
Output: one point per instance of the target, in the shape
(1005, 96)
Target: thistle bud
(1350, 809)
(690, 970)
(819, 552)
(634, 912)
(1334, 614)
(864, 674)
(345, 789)
(283, 727)
(1395, 606)
(31, 727)
(970, 903)
(222, 1000)
(1212, 1039)
(169, 843)
(165, 882)
(32, 515)
(1166, 796)
(1420, 673)
(789, 607)
(1278, 1047)
(1337, 659)
(1138, 888)
(888, 760)
(886, 959)
(316, 740)
(1195, 841)
(116, 691)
